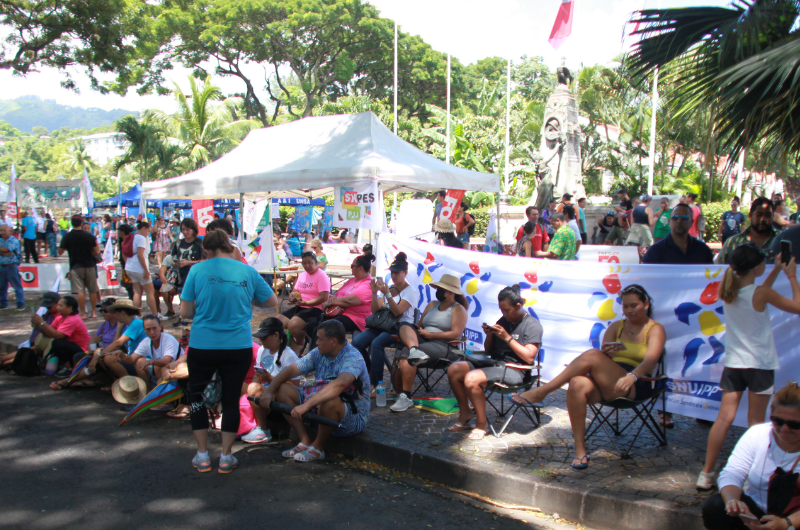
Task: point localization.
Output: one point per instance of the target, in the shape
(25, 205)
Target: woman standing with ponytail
(750, 355)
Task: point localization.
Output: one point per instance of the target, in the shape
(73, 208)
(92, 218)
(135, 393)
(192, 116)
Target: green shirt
(63, 224)
(564, 243)
(733, 242)
(662, 224)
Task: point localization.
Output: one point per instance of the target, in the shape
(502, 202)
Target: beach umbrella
(78, 367)
(162, 393)
(310, 416)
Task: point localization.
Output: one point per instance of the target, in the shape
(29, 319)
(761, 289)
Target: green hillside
(27, 112)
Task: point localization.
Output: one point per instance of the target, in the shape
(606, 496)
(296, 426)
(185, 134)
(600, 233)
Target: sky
(467, 29)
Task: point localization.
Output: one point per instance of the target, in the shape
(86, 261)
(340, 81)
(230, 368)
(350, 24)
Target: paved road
(66, 464)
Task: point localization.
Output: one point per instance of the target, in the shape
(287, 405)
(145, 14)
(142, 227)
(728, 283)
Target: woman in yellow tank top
(612, 372)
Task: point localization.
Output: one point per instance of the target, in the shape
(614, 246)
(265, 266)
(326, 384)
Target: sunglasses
(683, 217)
(780, 422)
(103, 311)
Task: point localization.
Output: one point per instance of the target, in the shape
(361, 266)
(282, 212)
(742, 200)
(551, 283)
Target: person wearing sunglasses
(770, 498)
(750, 354)
(679, 248)
(760, 231)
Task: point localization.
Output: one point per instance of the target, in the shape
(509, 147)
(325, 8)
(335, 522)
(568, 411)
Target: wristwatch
(789, 522)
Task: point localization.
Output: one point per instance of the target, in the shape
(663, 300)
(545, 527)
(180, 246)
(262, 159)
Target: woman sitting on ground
(447, 233)
(68, 332)
(354, 297)
(759, 454)
(513, 341)
(316, 248)
(601, 375)
(113, 357)
(402, 302)
(273, 358)
(311, 290)
(442, 322)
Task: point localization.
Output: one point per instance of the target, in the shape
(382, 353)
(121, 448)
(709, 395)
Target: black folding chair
(532, 375)
(607, 417)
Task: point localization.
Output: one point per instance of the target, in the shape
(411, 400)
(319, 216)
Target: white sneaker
(257, 435)
(162, 317)
(402, 404)
(417, 357)
(706, 481)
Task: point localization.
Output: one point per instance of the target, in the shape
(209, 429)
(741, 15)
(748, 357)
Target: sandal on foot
(55, 385)
(461, 427)
(477, 434)
(583, 462)
(83, 384)
(527, 403)
(296, 450)
(182, 414)
(309, 455)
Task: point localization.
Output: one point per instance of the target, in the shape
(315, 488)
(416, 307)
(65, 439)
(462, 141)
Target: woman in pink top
(68, 331)
(355, 296)
(311, 290)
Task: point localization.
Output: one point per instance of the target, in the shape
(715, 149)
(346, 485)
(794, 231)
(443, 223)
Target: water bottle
(52, 365)
(380, 395)
(469, 347)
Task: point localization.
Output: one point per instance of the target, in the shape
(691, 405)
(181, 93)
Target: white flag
(492, 244)
(108, 254)
(12, 186)
(267, 258)
(143, 206)
(89, 192)
(57, 283)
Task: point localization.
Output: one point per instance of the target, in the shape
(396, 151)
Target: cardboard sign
(203, 212)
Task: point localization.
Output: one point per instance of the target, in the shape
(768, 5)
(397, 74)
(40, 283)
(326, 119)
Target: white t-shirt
(132, 264)
(266, 361)
(574, 225)
(409, 295)
(749, 342)
(168, 347)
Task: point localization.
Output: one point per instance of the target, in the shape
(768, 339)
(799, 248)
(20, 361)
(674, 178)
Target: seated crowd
(261, 383)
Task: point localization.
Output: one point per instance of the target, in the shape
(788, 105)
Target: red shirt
(74, 328)
(538, 239)
(696, 212)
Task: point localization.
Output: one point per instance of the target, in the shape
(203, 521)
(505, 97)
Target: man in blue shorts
(341, 392)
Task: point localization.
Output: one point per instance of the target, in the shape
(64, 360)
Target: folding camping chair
(502, 389)
(606, 413)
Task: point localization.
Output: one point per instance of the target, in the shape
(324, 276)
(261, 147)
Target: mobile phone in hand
(749, 518)
(786, 251)
(619, 345)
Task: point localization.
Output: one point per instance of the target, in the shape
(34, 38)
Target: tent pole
(241, 216)
(499, 241)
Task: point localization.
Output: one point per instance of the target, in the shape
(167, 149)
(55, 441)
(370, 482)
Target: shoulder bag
(383, 319)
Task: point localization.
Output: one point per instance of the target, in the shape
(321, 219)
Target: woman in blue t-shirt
(217, 295)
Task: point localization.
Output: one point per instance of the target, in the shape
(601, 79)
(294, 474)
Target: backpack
(26, 362)
(471, 229)
(127, 246)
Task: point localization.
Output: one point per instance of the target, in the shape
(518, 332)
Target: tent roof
(308, 157)
(132, 195)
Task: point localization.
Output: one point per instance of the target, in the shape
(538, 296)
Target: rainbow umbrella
(162, 393)
(78, 367)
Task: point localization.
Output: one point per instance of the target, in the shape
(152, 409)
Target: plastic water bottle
(52, 365)
(380, 395)
(469, 347)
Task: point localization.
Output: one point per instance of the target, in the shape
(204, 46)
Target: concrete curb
(596, 508)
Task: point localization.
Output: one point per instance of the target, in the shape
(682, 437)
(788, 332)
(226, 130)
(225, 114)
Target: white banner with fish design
(576, 301)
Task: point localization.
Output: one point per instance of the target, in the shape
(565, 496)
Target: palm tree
(144, 144)
(740, 61)
(205, 127)
(77, 158)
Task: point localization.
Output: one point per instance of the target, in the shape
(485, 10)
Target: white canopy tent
(308, 157)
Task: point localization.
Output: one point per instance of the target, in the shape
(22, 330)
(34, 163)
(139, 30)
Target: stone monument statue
(558, 170)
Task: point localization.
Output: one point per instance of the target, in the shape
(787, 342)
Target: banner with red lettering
(203, 213)
(358, 206)
(450, 204)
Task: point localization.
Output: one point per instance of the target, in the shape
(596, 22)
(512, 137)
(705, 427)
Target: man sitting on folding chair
(513, 344)
(631, 349)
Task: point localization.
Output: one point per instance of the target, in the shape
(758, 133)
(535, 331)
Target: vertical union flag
(562, 27)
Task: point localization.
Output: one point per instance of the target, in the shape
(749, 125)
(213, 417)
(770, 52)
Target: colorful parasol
(78, 367)
(162, 393)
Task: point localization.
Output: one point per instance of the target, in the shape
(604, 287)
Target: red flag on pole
(562, 27)
(203, 213)
(451, 204)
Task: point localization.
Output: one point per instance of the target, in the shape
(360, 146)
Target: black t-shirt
(80, 246)
(188, 252)
(526, 331)
(625, 205)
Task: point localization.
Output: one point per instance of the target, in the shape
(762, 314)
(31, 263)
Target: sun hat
(106, 303)
(445, 226)
(448, 282)
(129, 389)
(119, 304)
(49, 298)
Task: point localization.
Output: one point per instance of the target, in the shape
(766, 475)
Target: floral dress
(163, 240)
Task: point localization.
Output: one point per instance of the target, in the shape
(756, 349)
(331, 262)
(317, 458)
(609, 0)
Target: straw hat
(124, 303)
(129, 389)
(445, 226)
(448, 282)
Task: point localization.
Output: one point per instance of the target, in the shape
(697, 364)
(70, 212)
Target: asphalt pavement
(66, 464)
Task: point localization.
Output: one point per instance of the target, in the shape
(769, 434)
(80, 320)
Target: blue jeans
(10, 274)
(464, 238)
(51, 242)
(374, 341)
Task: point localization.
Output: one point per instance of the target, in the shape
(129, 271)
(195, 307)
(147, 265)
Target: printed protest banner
(355, 207)
(51, 193)
(577, 301)
(303, 218)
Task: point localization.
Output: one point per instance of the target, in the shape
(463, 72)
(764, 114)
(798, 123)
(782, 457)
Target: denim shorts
(352, 424)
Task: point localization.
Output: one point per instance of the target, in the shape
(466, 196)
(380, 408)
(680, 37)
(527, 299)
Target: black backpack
(26, 362)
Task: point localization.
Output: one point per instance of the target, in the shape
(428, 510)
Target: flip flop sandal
(296, 450)
(527, 403)
(57, 386)
(583, 462)
(477, 434)
(309, 456)
(182, 414)
(460, 427)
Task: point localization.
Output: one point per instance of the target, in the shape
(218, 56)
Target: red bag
(127, 246)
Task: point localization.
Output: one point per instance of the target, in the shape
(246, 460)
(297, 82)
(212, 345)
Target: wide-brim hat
(445, 226)
(119, 304)
(129, 390)
(448, 282)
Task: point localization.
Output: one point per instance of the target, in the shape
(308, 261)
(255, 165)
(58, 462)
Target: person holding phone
(610, 372)
(749, 485)
(750, 355)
